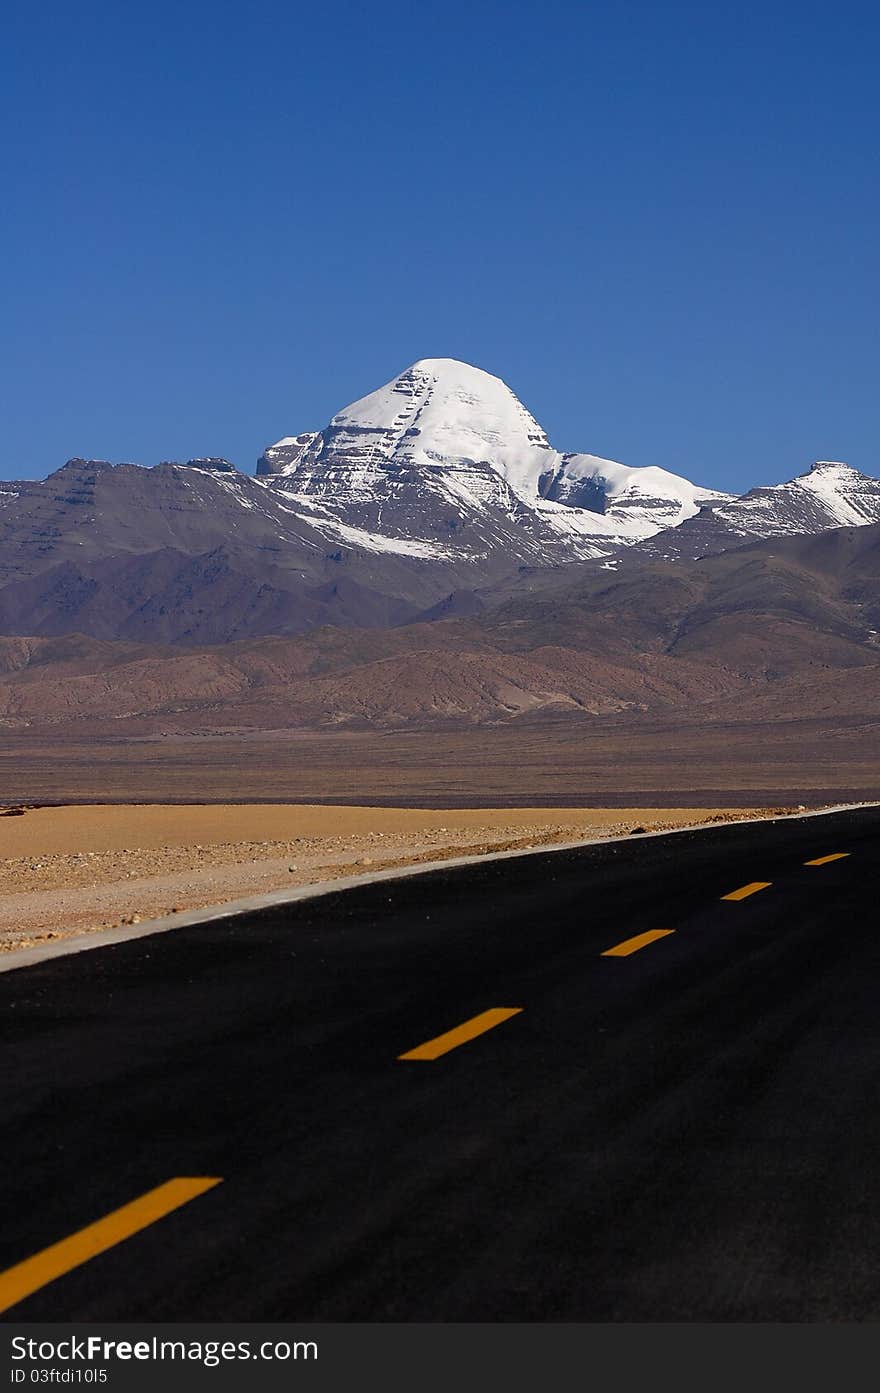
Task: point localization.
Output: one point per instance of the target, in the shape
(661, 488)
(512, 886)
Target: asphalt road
(686, 1131)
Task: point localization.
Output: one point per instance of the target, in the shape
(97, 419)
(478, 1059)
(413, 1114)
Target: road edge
(108, 938)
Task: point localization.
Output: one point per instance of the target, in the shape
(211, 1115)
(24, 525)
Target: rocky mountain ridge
(437, 495)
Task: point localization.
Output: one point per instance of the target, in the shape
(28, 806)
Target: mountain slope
(447, 452)
(202, 553)
(755, 629)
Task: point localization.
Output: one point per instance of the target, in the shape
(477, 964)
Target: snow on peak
(286, 454)
(442, 409)
(449, 441)
(828, 494)
(850, 498)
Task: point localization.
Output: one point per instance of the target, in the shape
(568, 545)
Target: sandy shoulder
(82, 869)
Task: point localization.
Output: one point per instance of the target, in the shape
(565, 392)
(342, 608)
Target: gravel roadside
(68, 888)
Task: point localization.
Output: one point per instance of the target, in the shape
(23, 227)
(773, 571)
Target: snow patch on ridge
(330, 527)
(838, 487)
(830, 494)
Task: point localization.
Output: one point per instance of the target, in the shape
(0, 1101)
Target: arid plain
(66, 870)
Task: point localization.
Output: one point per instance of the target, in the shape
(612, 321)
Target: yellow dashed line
(36, 1272)
(469, 1030)
(745, 890)
(632, 945)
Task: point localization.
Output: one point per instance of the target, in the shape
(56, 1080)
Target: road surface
(634, 1082)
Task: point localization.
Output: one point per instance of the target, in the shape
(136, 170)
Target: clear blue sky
(658, 222)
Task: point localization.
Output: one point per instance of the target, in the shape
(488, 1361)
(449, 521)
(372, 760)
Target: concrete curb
(84, 943)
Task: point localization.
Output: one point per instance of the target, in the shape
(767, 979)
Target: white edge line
(84, 943)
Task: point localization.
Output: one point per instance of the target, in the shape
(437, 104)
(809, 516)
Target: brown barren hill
(691, 638)
(745, 678)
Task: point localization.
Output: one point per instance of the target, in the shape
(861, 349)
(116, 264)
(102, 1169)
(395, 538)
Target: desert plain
(128, 828)
(75, 869)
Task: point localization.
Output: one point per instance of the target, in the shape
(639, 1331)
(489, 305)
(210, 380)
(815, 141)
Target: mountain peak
(439, 366)
(447, 450)
(440, 406)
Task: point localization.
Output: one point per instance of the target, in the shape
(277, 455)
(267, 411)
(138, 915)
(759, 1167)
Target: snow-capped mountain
(437, 495)
(830, 494)
(446, 456)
